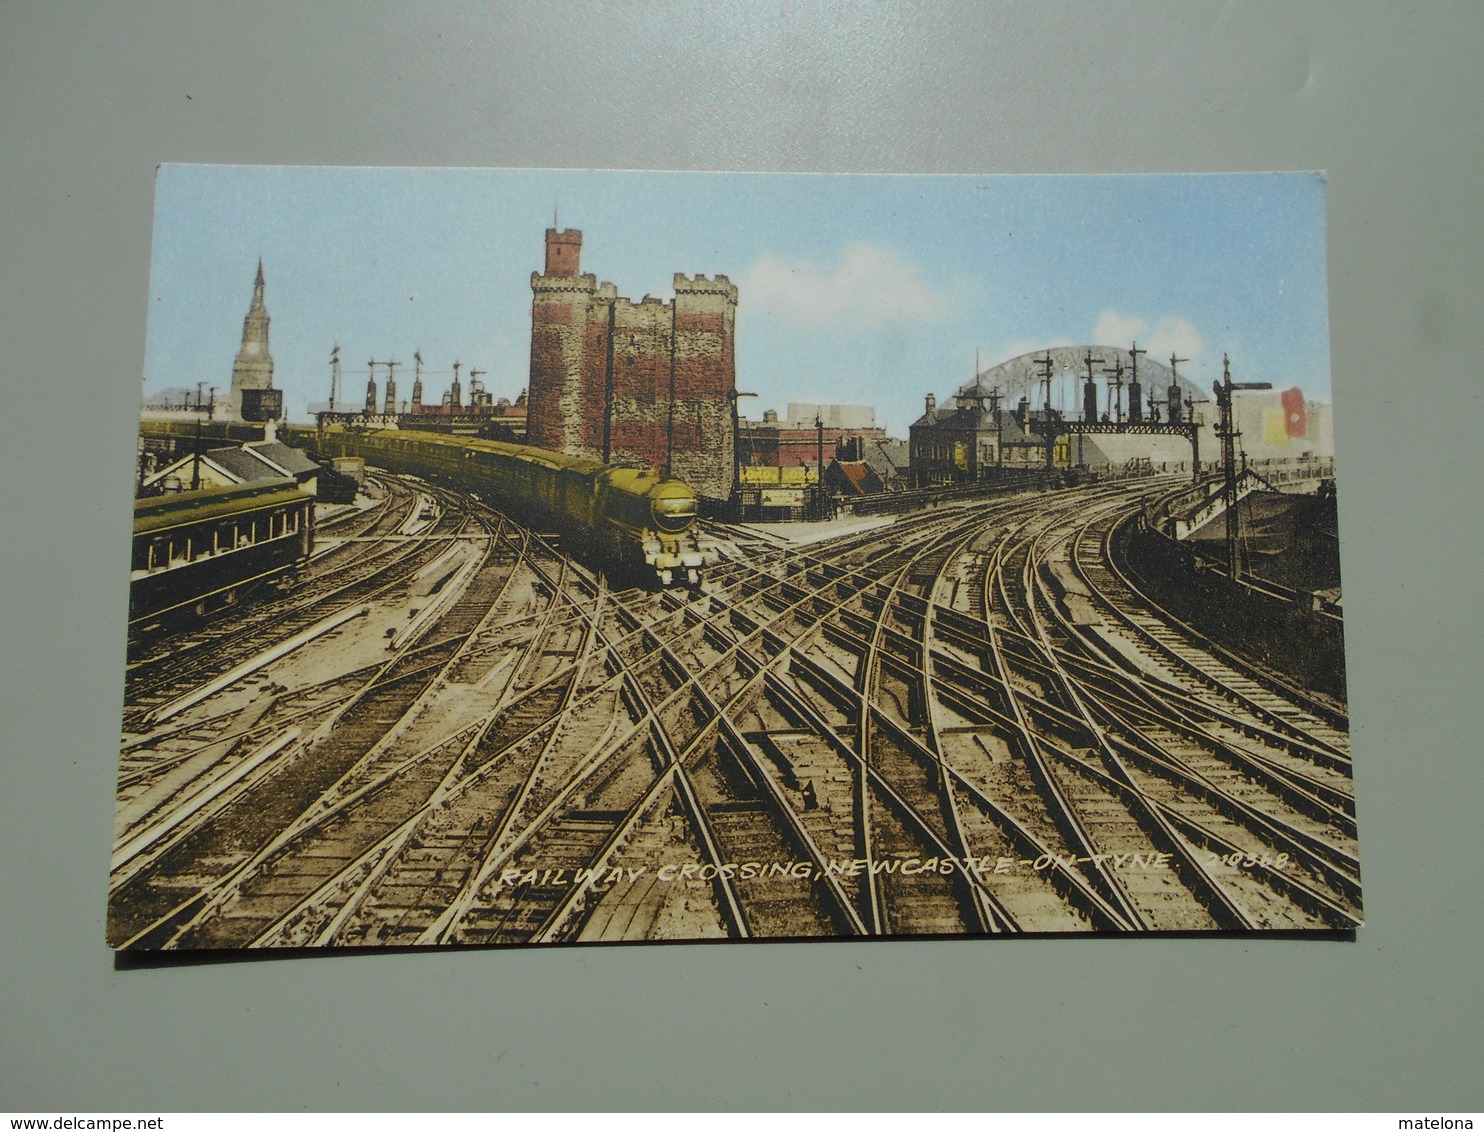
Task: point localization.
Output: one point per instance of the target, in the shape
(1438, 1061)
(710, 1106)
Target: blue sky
(859, 290)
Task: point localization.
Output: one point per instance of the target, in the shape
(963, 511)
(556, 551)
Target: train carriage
(197, 551)
(626, 518)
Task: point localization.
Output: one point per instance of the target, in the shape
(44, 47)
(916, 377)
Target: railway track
(568, 805)
(972, 723)
(162, 665)
(603, 824)
(225, 726)
(239, 804)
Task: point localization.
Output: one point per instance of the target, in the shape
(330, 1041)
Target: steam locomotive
(627, 520)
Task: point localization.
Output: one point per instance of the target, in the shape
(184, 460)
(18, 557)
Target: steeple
(253, 367)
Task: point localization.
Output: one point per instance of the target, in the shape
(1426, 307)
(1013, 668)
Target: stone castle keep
(648, 383)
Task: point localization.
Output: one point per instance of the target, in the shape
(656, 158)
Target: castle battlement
(558, 284)
(650, 312)
(700, 285)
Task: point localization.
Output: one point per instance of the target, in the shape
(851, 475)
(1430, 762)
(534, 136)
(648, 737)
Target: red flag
(1295, 417)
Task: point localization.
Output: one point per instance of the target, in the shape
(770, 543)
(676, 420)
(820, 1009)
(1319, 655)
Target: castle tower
(645, 383)
(560, 384)
(253, 367)
(705, 384)
(563, 253)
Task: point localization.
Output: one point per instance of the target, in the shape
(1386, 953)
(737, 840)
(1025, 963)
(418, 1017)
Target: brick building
(649, 383)
(794, 441)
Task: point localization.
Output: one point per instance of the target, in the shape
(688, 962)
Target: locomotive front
(672, 506)
(672, 509)
(661, 516)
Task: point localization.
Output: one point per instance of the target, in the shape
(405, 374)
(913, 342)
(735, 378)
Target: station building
(485, 415)
(970, 437)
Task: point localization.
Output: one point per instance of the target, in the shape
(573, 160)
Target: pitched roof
(859, 476)
(264, 462)
(181, 466)
(291, 460)
(244, 465)
(964, 418)
(887, 457)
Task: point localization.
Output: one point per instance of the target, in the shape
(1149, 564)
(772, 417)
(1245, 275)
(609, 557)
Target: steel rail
(1271, 681)
(1218, 902)
(192, 912)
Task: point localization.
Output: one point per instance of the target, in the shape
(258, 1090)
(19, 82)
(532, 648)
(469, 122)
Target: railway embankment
(1288, 631)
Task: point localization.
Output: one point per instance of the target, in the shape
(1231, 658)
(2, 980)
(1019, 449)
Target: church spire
(253, 367)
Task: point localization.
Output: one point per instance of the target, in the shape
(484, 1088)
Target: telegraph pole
(1135, 403)
(1090, 393)
(1115, 390)
(999, 427)
(1089, 401)
(821, 494)
(389, 406)
(1228, 432)
(1089, 361)
(1044, 365)
(735, 397)
(670, 415)
(196, 462)
(1175, 388)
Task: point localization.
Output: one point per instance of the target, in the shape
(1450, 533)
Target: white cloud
(1028, 346)
(1169, 335)
(1114, 329)
(870, 283)
(1175, 335)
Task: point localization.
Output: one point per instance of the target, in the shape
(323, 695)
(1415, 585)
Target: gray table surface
(1383, 96)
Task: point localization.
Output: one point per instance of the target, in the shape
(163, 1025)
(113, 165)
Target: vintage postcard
(557, 557)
